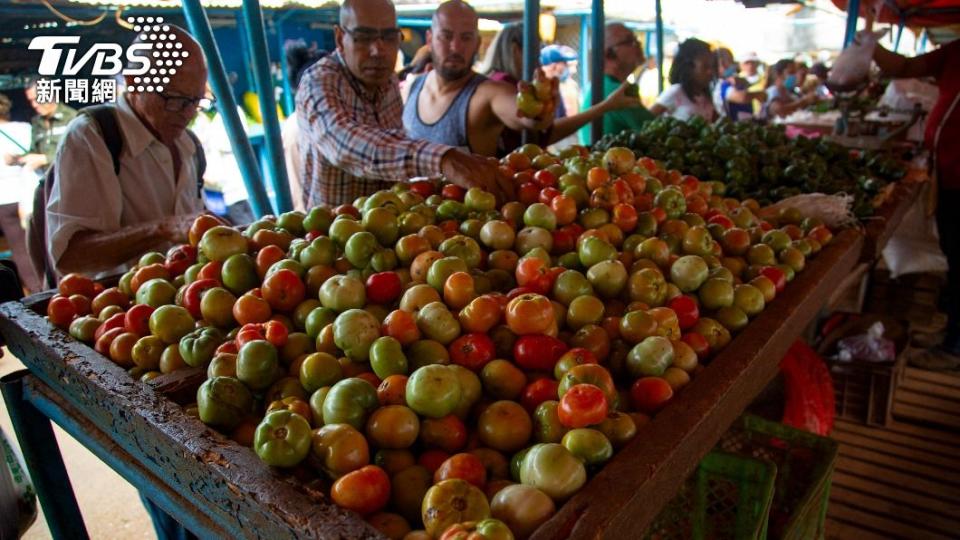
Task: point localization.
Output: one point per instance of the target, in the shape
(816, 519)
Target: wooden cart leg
(44, 461)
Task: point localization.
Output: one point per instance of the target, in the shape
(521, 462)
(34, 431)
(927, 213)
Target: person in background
(782, 99)
(803, 71)
(14, 141)
(421, 63)
(349, 112)
(299, 58)
(556, 61)
(623, 55)
(817, 82)
(942, 137)
(47, 128)
(456, 106)
(750, 68)
(691, 75)
(732, 96)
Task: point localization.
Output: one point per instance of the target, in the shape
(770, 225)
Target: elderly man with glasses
(107, 205)
(351, 132)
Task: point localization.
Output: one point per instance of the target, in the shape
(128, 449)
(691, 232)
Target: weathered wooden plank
(926, 433)
(943, 379)
(873, 470)
(911, 452)
(841, 530)
(924, 414)
(625, 497)
(880, 228)
(843, 429)
(890, 527)
(900, 494)
(934, 403)
(215, 474)
(902, 464)
(181, 385)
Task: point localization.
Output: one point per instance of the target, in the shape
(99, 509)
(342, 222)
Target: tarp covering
(914, 12)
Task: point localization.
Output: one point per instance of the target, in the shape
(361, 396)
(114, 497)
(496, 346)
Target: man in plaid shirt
(351, 131)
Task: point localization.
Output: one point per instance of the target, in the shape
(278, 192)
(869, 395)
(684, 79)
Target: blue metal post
(584, 52)
(531, 44)
(922, 48)
(257, 40)
(853, 13)
(896, 43)
(289, 103)
(42, 454)
(659, 24)
(227, 105)
(596, 65)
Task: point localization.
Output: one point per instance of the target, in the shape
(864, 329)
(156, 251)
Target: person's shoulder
(79, 127)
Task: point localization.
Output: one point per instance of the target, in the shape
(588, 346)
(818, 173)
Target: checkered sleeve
(360, 150)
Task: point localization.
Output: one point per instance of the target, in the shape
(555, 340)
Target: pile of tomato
(442, 365)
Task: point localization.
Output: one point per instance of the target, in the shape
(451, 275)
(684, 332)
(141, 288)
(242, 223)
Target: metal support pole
(42, 454)
(659, 26)
(200, 29)
(257, 40)
(853, 13)
(596, 66)
(896, 43)
(531, 45)
(585, 62)
(289, 103)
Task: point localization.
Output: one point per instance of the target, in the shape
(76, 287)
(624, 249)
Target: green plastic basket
(805, 465)
(728, 496)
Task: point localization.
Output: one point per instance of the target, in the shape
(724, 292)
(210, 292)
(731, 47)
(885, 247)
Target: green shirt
(48, 130)
(614, 121)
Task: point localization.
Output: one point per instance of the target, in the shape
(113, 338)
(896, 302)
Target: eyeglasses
(365, 37)
(175, 103)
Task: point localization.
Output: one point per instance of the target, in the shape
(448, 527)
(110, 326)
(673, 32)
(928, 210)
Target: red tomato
(564, 241)
(775, 275)
(137, 319)
(529, 270)
(61, 311)
(283, 290)
(448, 433)
(649, 394)
(545, 178)
(370, 377)
(422, 188)
(624, 217)
(276, 333)
(537, 392)
(472, 351)
(80, 303)
(364, 490)
(721, 219)
(103, 342)
(347, 209)
(384, 287)
(686, 309)
(548, 194)
(211, 270)
(229, 347)
(266, 257)
(432, 459)
(536, 352)
(528, 193)
(698, 343)
(463, 466)
(114, 322)
(193, 292)
(453, 191)
(72, 284)
(249, 332)
(582, 405)
(179, 258)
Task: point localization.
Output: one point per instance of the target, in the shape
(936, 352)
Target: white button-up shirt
(88, 196)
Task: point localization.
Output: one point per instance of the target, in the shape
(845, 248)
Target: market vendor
(942, 136)
(98, 220)
(782, 98)
(351, 133)
(47, 128)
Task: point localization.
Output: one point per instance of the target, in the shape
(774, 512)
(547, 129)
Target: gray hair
(499, 56)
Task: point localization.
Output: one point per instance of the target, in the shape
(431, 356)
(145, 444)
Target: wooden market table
(217, 488)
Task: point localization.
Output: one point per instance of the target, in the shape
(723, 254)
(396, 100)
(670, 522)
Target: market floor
(110, 506)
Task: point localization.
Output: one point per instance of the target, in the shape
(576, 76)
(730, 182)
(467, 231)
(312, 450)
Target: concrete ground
(110, 506)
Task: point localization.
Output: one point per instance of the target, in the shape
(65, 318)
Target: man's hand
(620, 99)
(467, 171)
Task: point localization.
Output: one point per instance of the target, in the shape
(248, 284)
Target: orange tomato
(283, 290)
(364, 490)
(625, 217)
(266, 257)
(392, 391)
(200, 226)
(108, 297)
(530, 314)
(530, 270)
(146, 273)
(211, 270)
(668, 325)
(596, 177)
(250, 308)
(61, 311)
(421, 265)
(121, 349)
(401, 326)
(564, 208)
(72, 284)
(458, 290)
(481, 314)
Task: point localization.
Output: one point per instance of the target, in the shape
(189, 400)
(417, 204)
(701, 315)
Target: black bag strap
(201, 158)
(106, 118)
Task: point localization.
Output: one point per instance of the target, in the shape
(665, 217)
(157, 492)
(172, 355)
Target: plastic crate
(804, 464)
(727, 497)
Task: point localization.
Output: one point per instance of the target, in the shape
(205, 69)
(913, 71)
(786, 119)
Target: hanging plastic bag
(869, 347)
(810, 401)
(852, 67)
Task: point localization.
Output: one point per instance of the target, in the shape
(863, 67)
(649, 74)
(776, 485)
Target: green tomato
(282, 439)
(223, 402)
(551, 468)
(197, 347)
(546, 423)
(318, 370)
(387, 358)
(589, 445)
(650, 357)
(350, 401)
(354, 331)
(257, 364)
(433, 391)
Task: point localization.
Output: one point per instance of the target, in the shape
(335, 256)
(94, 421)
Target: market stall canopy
(915, 13)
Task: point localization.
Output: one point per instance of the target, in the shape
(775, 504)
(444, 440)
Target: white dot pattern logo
(163, 41)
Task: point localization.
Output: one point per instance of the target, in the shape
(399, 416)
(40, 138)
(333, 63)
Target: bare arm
(90, 251)
(617, 100)
(900, 67)
(658, 109)
(784, 108)
(503, 104)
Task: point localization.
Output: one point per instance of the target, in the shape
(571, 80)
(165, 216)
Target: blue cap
(556, 53)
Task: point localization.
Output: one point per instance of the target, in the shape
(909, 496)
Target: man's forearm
(568, 125)
(97, 251)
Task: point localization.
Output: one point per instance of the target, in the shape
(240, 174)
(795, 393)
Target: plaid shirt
(352, 140)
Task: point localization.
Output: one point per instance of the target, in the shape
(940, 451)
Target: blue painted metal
(853, 13)
(596, 65)
(414, 22)
(922, 47)
(289, 103)
(531, 43)
(227, 105)
(43, 459)
(659, 32)
(257, 40)
(896, 43)
(81, 429)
